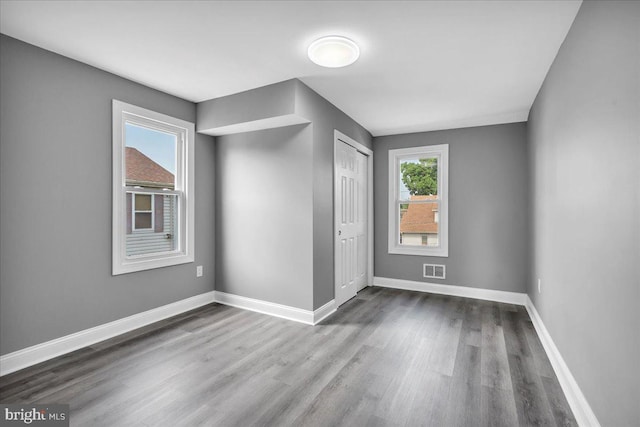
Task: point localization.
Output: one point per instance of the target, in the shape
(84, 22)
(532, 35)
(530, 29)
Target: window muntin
(143, 211)
(418, 201)
(153, 189)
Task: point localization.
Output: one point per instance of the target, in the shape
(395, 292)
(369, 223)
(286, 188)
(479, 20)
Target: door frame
(339, 137)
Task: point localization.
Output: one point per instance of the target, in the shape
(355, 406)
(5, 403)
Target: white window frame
(134, 211)
(185, 133)
(395, 157)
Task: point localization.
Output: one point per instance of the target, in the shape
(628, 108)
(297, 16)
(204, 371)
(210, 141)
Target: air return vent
(433, 271)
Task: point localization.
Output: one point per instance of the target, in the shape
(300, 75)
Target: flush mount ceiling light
(333, 51)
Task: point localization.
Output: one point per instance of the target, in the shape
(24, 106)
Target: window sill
(435, 252)
(133, 265)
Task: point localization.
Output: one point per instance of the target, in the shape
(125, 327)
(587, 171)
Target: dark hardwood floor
(387, 357)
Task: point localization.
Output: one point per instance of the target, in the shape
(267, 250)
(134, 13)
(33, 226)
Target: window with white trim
(418, 200)
(153, 216)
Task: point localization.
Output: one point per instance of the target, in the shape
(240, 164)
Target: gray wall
(585, 162)
(265, 215)
(276, 243)
(262, 103)
(325, 118)
(488, 208)
(55, 193)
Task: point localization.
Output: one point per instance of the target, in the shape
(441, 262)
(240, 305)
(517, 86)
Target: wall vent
(433, 271)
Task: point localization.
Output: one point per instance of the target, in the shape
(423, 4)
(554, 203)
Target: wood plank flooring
(386, 358)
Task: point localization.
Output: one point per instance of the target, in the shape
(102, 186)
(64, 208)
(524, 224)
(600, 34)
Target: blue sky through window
(158, 146)
(404, 191)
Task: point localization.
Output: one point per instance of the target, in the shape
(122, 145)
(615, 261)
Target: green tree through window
(421, 179)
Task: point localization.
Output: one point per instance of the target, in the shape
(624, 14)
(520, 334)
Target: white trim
(38, 353)
(460, 291)
(295, 314)
(185, 179)
(577, 401)
(48, 350)
(134, 211)
(325, 311)
(352, 142)
(441, 152)
(339, 136)
(265, 307)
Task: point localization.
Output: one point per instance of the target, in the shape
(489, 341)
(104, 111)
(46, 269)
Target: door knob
(339, 232)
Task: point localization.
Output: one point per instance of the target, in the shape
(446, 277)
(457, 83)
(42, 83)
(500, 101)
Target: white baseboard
(265, 307)
(460, 291)
(33, 355)
(325, 311)
(578, 403)
(278, 310)
(48, 350)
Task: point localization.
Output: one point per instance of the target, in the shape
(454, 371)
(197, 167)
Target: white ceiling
(424, 65)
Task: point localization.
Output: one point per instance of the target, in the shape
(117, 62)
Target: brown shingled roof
(143, 171)
(420, 217)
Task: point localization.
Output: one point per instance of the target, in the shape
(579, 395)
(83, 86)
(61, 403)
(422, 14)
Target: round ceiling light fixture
(333, 51)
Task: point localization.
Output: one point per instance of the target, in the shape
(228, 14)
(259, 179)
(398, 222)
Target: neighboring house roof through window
(143, 171)
(420, 217)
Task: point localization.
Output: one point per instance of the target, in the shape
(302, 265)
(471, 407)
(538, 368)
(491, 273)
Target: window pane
(143, 220)
(418, 225)
(163, 237)
(150, 157)
(418, 177)
(143, 202)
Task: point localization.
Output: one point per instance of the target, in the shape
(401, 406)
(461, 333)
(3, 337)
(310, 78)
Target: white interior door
(351, 206)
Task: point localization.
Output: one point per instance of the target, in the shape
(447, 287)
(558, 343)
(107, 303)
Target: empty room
(320, 213)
